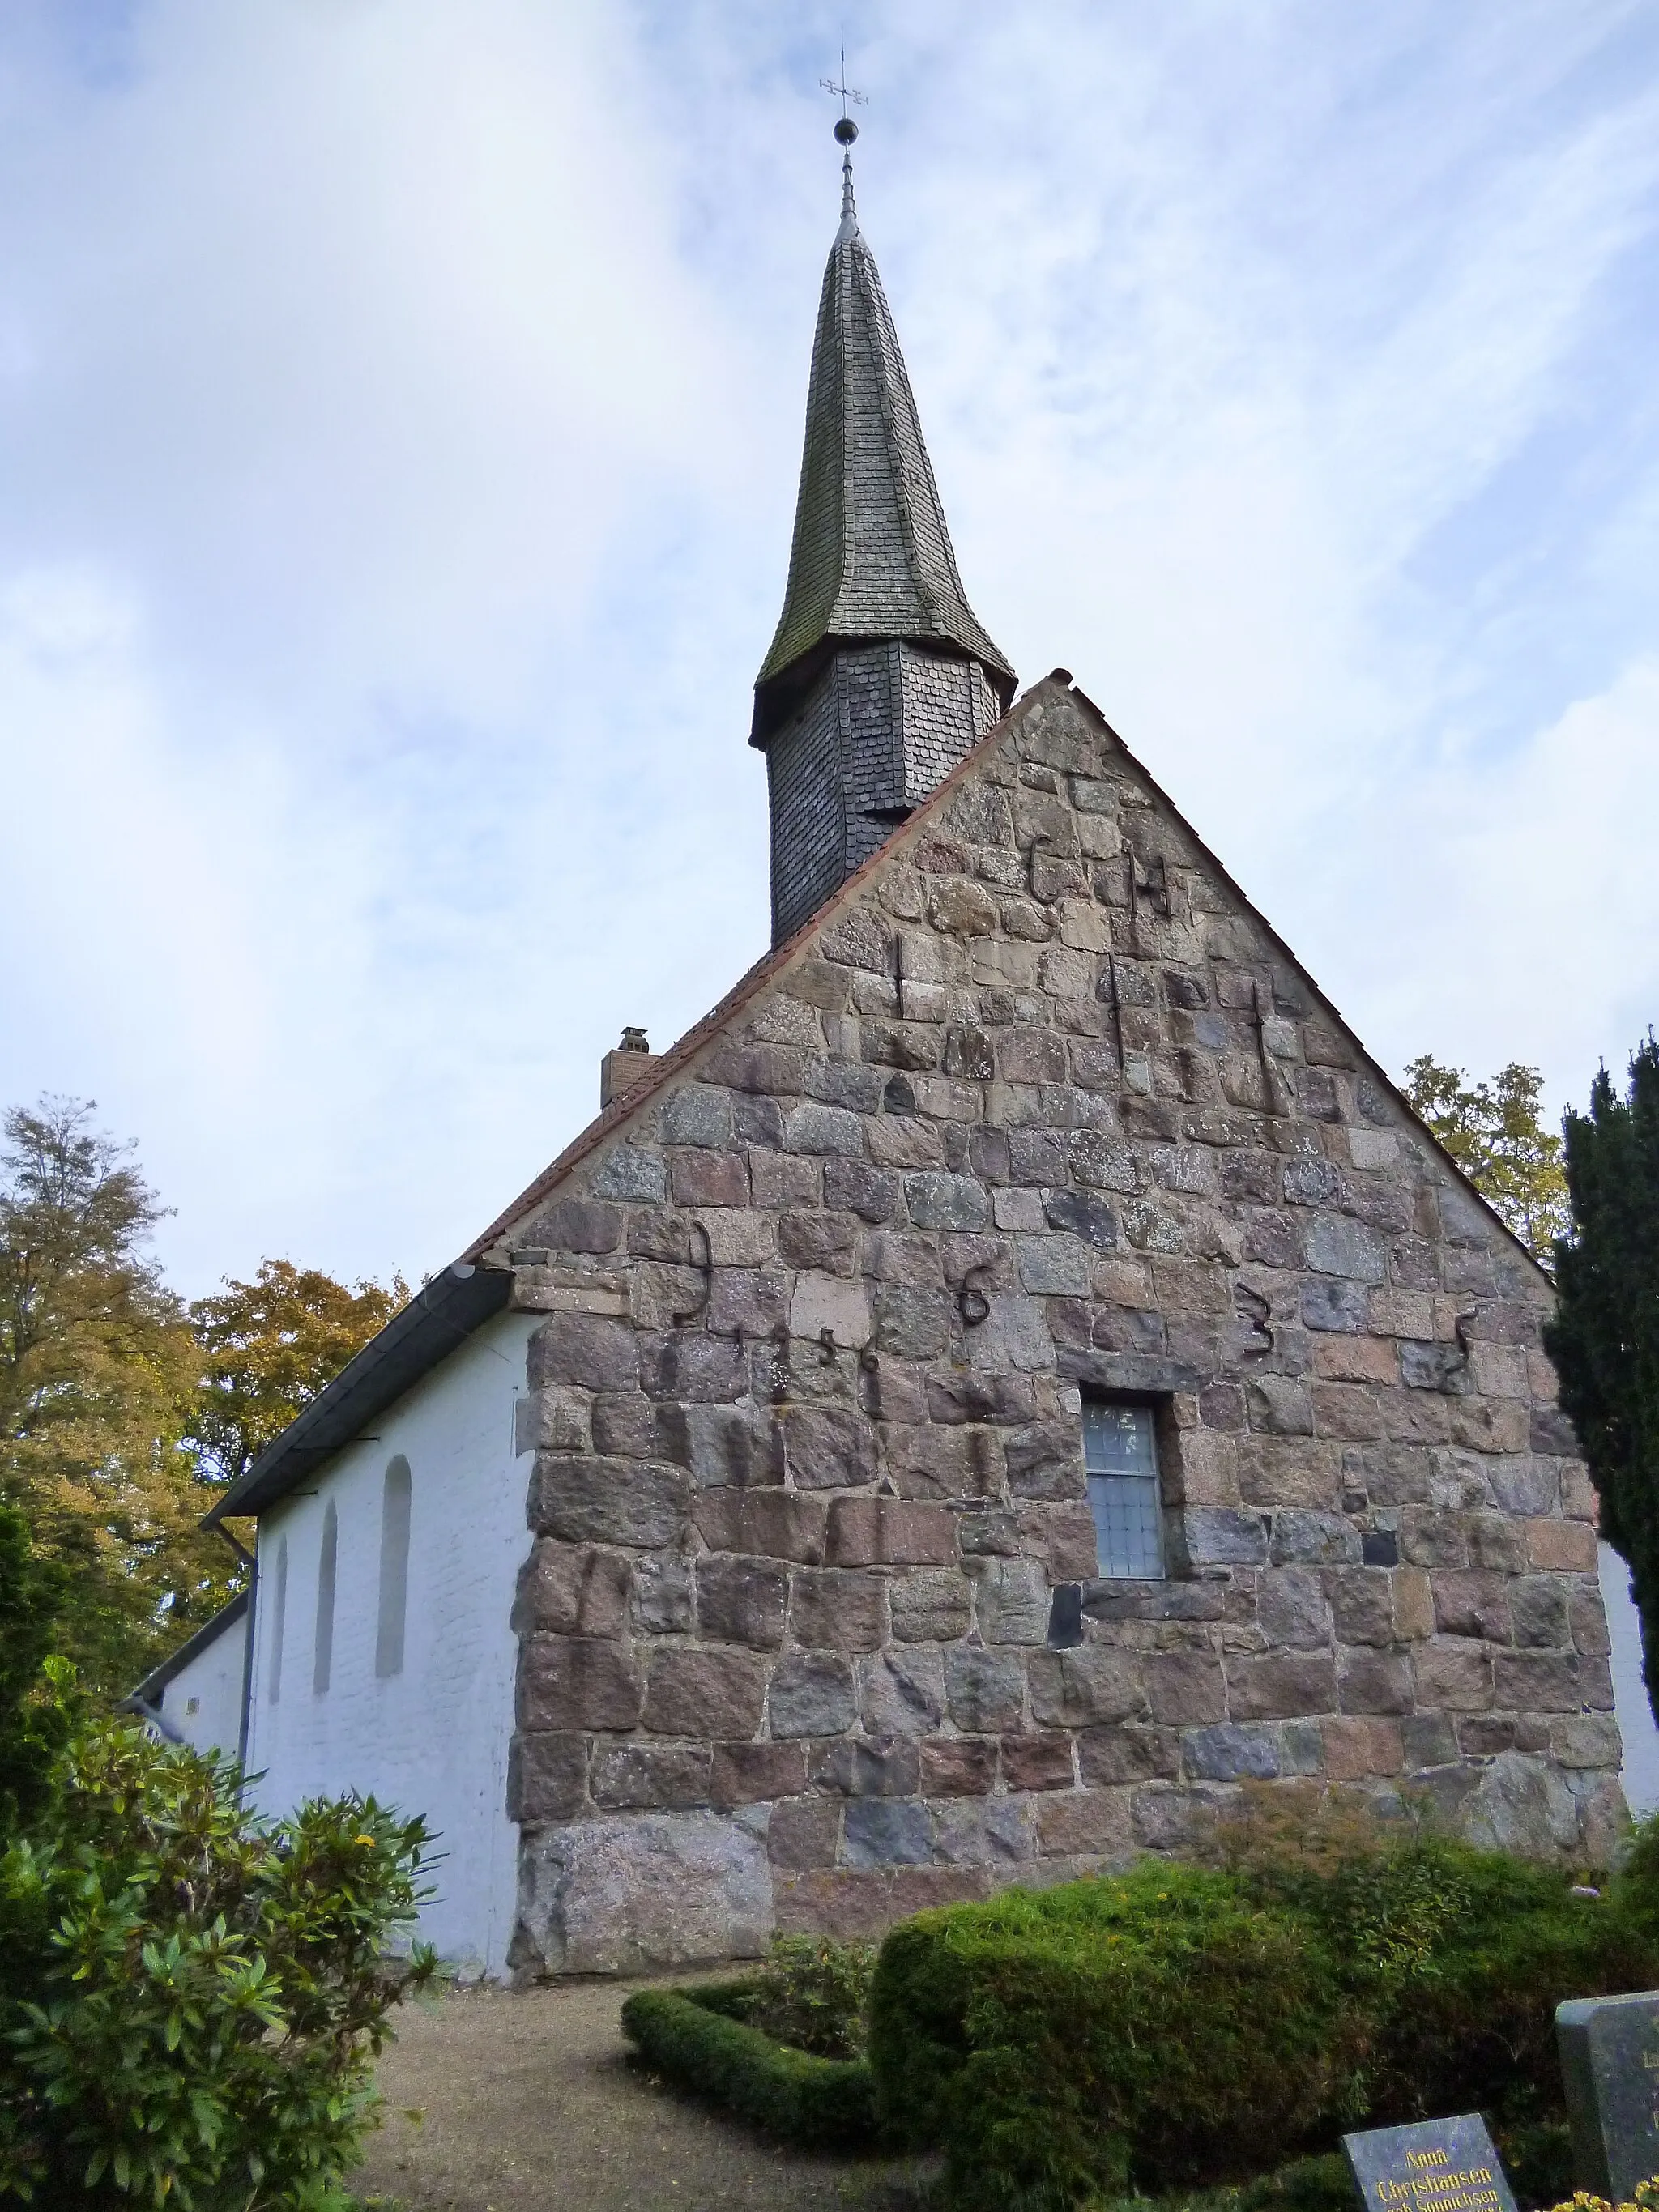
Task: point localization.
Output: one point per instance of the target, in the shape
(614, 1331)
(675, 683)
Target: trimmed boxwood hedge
(1178, 2026)
(1181, 2024)
(693, 2038)
(1158, 2028)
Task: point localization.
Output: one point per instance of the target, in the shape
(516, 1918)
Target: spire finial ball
(846, 130)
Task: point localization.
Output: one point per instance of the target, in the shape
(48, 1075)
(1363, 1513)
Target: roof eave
(436, 1322)
(150, 1689)
(778, 694)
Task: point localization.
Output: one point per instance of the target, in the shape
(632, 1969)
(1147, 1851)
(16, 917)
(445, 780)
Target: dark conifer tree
(1604, 1339)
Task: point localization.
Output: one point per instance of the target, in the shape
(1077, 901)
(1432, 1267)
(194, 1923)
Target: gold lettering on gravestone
(1430, 2166)
(1468, 2189)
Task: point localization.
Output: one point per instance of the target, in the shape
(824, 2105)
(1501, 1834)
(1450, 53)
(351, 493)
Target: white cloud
(400, 408)
(1532, 899)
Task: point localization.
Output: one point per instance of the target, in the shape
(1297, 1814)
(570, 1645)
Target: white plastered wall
(203, 1703)
(1640, 1772)
(433, 1738)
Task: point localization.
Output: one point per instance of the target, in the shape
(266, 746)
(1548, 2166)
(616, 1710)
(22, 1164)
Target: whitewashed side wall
(432, 1738)
(1640, 1772)
(203, 1703)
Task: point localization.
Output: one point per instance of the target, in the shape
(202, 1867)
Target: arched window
(394, 1569)
(328, 1559)
(278, 1608)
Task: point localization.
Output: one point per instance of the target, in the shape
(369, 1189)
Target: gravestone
(1610, 2067)
(1432, 2166)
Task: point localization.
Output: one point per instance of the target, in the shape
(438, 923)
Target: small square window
(1120, 1452)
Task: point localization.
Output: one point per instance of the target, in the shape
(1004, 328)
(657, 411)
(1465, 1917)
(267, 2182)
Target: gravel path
(529, 2104)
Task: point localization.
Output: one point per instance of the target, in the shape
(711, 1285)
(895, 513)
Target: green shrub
(1158, 2028)
(36, 1701)
(733, 2000)
(1182, 2025)
(1451, 1961)
(1635, 1887)
(814, 1994)
(1538, 2157)
(809, 1992)
(819, 2103)
(1306, 2185)
(192, 1998)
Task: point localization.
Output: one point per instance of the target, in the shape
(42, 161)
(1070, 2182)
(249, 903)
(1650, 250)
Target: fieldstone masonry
(811, 1634)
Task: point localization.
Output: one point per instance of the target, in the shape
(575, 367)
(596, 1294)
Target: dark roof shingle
(872, 555)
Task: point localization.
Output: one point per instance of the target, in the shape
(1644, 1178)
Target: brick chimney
(619, 1071)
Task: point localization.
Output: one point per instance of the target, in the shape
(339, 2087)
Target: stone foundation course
(813, 1633)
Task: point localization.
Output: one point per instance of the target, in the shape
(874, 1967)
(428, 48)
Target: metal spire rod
(843, 91)
(846, 131)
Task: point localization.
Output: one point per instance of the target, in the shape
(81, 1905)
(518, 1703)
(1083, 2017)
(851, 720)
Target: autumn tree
(124, 1412)
(1493, 1132)
(267, 1347)
(1604, 1337)
(96, 1368)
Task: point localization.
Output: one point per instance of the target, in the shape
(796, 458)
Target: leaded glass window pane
(1120, 1454)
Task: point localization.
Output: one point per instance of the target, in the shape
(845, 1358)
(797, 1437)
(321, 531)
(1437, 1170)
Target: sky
(400, 414)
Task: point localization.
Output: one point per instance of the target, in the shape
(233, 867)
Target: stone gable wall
(1042, 1108)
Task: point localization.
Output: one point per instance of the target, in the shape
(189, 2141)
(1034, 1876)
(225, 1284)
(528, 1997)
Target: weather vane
(846, 130)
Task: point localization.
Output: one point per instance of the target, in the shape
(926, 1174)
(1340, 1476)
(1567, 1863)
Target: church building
(1015, 1372)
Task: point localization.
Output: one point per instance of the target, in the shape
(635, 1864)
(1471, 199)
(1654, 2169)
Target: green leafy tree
(122, 1412)
(32, 1718)
(1604, 1338)
(267, 1347)
(192, 1999)
(1493, 1132)
(96, 1368)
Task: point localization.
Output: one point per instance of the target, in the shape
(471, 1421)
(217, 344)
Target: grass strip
(822, 2103)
